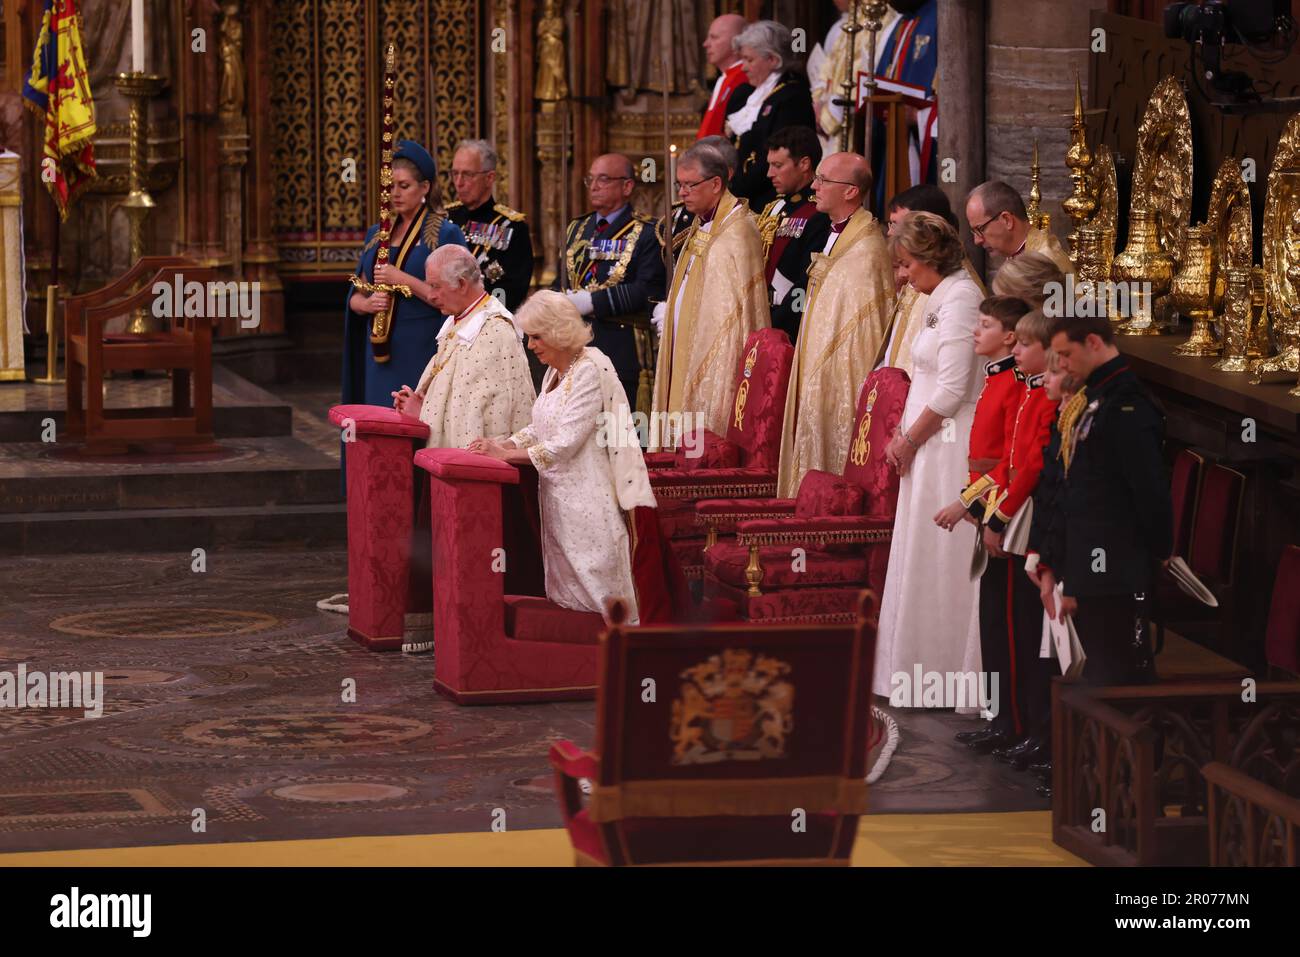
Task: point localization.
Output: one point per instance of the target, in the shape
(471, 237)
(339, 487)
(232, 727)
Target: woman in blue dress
(420, 225)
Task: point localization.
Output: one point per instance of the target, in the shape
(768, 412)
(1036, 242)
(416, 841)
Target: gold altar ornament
(1192, 292)
(1034, 212)
(1104, 189)
(1079, 205)
(1281, 255)
(1162, 174)
(1259, 345)
(1148, 269)
(1236, 321)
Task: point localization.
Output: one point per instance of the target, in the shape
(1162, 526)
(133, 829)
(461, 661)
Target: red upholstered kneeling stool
(747, 724)
(381, 520)
(843, 524)
(496, 638)
(741, 463)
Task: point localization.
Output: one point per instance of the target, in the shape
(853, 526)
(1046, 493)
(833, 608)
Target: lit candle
(137, 36)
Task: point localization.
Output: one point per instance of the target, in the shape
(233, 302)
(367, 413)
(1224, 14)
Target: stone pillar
(961, 107)
(1034, 49)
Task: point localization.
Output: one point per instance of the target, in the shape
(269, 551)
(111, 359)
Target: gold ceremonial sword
(383, 324)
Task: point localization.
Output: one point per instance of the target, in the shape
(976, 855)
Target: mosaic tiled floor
(224, 718)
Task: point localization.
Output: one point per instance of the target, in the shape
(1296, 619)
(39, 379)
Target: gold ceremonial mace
(848, 89)
(383, 322)
(875, 20)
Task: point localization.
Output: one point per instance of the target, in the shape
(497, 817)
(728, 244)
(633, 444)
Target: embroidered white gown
(929, 594)
(585, 547)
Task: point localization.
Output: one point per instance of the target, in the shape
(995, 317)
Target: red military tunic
(1030, 431)
(994, 413)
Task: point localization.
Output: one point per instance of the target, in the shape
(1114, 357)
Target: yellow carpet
(884, 840)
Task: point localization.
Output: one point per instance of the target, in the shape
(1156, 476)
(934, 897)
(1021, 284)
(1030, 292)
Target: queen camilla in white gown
(929, 594)
(590, 469)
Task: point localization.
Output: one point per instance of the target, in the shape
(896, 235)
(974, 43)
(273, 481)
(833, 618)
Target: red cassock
(716, 115)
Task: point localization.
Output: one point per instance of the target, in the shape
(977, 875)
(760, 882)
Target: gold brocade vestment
(717, 298)
(849, 298)
(1042, 241)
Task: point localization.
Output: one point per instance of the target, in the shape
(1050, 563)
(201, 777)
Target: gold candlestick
(849, 88)
(1035, 212)
(137, 88)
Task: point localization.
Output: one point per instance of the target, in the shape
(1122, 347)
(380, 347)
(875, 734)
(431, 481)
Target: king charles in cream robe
(718, 297)
(478, 382)
(849, 294)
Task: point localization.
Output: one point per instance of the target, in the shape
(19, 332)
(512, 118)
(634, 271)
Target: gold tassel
(1069, 418)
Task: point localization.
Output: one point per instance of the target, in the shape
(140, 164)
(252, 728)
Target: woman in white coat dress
(590, 470)
(926, 608)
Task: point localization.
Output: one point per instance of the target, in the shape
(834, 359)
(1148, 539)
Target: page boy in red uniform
(1017, 476)
(995, 338)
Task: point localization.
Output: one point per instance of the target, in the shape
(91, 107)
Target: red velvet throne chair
(743, 462)
(751, 732)
(496, 638)
(381, 523)
(843, 524)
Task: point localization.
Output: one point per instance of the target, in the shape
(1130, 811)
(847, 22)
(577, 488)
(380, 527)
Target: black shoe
(1006, 753)
(1044, 790)
(1043, 769)
(967, 737)
(992, 740)
(1035, 755)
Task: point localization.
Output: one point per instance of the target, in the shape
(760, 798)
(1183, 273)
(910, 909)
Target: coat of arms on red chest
(733, 707)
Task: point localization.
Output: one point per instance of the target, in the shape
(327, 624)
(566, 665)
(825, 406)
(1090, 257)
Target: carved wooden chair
(728, 744)
(185, 349)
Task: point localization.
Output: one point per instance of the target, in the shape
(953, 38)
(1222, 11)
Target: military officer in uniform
(612, 268)
(791, 227)
(1117, 519)
(497, 235)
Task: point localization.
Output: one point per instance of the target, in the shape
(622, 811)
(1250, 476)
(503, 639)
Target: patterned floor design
(224, 719)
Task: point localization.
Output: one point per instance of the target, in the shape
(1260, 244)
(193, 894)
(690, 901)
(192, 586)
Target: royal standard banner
(58, 89)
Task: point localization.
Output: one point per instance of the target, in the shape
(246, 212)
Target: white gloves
(581, 300)
(657, 317)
